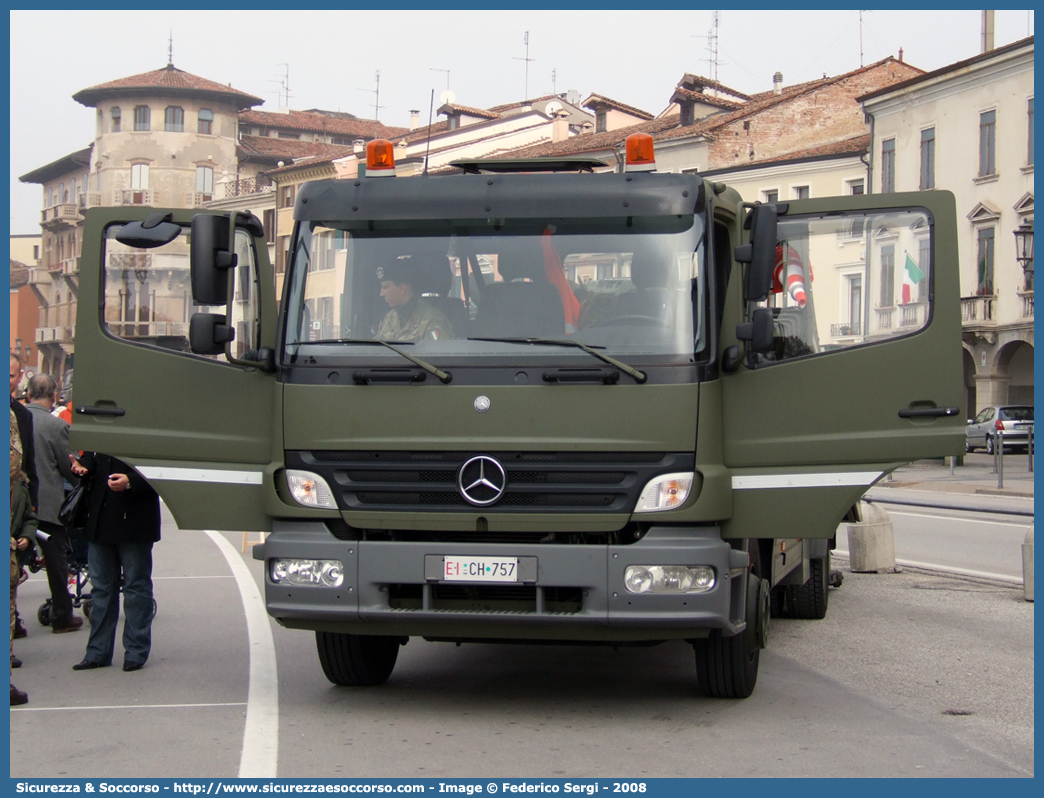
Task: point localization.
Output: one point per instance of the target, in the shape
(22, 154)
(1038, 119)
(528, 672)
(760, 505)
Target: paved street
(911, 674)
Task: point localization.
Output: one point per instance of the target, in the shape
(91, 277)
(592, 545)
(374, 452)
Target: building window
(984, 262)
(1029, 120)
(284, 135)
(174, 119)
(987, 143)
(142, 118)
(140, 176)
(63, 195)
(36, 252)
(206, 122)
(924, 262)
(887, 276)
(72, 190)
(928, 158)
(770, 196)
(856, 187)
(287, 196)
(269, 225)
(888, 166)
(115, 119)
(204, 179)
(600, 122)
(50, 197)
(800, 192)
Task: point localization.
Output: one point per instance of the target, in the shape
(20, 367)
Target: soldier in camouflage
(410, 317)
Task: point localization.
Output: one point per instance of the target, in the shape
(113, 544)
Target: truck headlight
(666, 492)
(668, 578)
(310, 489)
(325, 573)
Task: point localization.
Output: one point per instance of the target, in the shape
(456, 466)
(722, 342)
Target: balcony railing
(39, 276)
(89, 199)
(51, 335)
(845, 329)
(196, 199)
(977, 309)
(249, 185)
(70, 266)
(65, 212)
(132, 196)
(913, 315)
(1027, 304)
(148, 329)
(885, 318)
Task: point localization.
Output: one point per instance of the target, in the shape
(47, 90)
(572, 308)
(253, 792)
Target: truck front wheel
(727, 667)
(356, 660)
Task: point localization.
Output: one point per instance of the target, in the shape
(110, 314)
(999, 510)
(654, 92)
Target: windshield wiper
(444, 376)
(639, 376)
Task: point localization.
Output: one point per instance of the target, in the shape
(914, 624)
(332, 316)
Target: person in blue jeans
(123, 522)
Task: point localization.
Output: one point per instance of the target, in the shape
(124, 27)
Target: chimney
(560, 127)
(777, 83)
(987, 31)
(358, 146)
(414, 120)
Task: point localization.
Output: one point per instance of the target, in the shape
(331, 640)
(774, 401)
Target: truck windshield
(632, 288)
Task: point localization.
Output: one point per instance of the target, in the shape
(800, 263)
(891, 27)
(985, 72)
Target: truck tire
(809, 601)
(727, 667)
(356, 660)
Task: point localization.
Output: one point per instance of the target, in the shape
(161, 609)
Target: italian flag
(912, 275)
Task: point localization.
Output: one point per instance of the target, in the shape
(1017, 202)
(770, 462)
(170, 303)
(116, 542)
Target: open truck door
(846, 356)
(210, 452)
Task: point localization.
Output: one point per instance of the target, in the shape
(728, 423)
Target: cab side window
(148, 294)
(852, 280)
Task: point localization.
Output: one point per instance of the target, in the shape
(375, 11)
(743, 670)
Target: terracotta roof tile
(320, 123)
(19, 274)
(274, 149)
(169, 79)
(707, 99)
(594, 142)
(499, 109)
(449, 108)
(598, 99)
(689, 79)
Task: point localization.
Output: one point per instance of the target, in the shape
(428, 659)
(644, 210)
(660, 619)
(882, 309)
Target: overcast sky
(333, 57)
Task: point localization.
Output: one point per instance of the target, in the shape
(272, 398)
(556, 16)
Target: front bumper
(378, 574)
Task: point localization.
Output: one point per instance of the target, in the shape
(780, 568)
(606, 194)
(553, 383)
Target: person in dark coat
(123, 522)
(25, 429)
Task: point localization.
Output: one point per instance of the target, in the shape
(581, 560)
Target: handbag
(73, 512)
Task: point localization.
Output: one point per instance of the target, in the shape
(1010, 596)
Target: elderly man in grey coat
(53, 466)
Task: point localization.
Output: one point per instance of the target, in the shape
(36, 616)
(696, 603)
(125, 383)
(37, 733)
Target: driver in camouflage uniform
(410, 317)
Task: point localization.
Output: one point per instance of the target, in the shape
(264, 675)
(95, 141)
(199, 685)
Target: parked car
(1009, 424)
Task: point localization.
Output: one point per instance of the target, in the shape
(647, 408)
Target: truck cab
(528, 401)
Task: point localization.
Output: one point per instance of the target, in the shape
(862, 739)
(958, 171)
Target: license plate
(480, 569)
(1023, 426)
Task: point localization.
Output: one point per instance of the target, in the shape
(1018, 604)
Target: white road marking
(949, 569)
(128, 706)
(980, 521)
(260, 755)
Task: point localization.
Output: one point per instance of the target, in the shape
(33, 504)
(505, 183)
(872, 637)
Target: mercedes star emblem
(481, 480)
(482, 404)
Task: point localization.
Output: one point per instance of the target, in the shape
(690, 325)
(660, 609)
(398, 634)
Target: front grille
(487, 598)
(536, 482)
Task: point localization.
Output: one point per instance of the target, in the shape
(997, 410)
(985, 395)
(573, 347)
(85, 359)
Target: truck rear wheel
(809, 601)
(356, 660)
(727, 667)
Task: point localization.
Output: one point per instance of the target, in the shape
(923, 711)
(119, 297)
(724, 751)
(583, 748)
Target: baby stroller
(76, 556)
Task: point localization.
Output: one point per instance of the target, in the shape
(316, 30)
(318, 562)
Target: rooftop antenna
(712, 46)
(861, 39)
(376, 97)
(170, 49)
(554, 81)
(527, 59)
(431, 111)
(435, 69)
(283, 93)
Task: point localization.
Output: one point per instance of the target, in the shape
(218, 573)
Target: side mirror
(155, 231)
(760, 253)
(208, 333)
(211, 259)
(760, 331)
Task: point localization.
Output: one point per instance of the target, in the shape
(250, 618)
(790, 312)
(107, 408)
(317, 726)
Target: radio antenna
(431, 110)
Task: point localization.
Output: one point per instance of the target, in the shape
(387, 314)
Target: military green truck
(620, 408)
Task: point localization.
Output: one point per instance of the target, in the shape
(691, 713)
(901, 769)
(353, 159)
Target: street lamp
(1024, 250)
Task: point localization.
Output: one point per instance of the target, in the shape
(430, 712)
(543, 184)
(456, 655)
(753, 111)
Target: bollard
(1027, 566)
(998, 454)
(871, 540)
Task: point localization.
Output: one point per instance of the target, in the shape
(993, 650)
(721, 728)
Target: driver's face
(396, 294)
